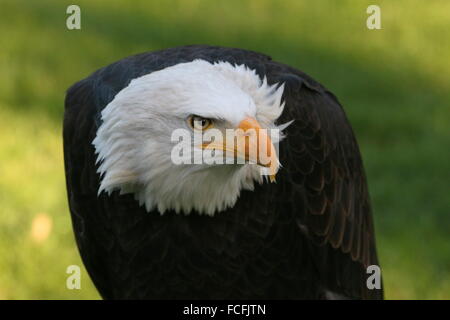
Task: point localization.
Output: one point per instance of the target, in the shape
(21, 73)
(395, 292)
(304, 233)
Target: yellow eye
(199, 123)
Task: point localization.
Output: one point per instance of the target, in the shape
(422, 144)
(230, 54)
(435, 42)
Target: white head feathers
(133, 144)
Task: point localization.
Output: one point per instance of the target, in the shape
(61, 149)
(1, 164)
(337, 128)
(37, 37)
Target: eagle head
(156, 129)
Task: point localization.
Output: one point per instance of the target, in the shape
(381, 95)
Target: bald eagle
(149, 228)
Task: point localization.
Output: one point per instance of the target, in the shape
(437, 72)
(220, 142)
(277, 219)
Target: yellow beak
(251, 143)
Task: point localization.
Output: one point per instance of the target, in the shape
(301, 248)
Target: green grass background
(394, 84)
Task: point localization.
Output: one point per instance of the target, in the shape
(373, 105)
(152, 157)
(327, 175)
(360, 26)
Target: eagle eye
(199, 123)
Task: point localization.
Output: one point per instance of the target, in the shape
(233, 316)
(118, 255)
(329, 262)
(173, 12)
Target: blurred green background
(394, 84)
